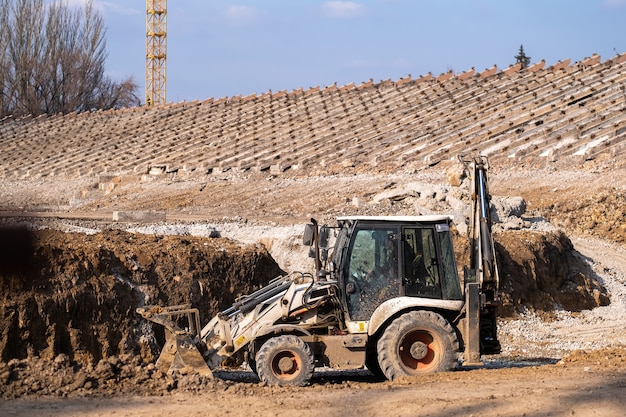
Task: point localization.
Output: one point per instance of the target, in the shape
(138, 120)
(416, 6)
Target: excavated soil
(71, 343)
(79, 293)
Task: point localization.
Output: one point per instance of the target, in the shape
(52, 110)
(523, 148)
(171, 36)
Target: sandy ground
(562, 389)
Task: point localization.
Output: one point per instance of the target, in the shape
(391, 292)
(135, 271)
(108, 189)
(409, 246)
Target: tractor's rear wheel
(417, 343)
(285, 360)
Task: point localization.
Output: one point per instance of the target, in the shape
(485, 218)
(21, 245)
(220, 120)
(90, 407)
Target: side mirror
(308, 236)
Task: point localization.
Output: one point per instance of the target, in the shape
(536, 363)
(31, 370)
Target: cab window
(373, 270)
(421, 269)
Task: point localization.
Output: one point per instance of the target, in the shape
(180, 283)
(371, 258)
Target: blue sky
(218, 48)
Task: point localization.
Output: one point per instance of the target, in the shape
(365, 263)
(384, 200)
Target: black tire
(417, 343)
(285, 360)
(371, 361)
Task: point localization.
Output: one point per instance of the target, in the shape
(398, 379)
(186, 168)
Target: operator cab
(380, 258)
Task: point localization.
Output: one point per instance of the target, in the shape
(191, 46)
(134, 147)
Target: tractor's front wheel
(416, 343)
(285, 360)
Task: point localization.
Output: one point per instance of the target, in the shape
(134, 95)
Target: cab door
(373, 269)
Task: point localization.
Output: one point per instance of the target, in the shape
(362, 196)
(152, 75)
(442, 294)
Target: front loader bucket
(181, 354)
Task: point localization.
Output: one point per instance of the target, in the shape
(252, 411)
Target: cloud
(114, 8)
(242, 15)
(614, 4)
(342, 9)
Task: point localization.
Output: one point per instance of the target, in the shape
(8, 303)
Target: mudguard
(391, 307)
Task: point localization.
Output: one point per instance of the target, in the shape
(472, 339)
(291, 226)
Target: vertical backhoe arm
(481, 278)
(482, 251)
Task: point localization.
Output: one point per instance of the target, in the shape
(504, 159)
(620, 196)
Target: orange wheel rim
(429, 349)
(286, 365)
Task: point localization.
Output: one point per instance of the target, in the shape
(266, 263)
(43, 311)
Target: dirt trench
(79, 294)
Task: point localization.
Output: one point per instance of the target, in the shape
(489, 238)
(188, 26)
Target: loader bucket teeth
(180, 354)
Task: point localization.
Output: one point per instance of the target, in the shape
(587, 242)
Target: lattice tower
(156, 46)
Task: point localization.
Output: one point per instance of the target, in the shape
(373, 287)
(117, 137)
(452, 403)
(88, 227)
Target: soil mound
(541, 271)
(115, 375)
(80, 293)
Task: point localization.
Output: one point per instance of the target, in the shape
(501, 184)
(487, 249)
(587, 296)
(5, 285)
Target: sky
(218, 48)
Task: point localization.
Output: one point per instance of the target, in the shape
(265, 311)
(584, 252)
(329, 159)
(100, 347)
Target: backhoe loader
(387, 296)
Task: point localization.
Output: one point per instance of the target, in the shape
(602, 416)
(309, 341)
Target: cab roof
(433, 218)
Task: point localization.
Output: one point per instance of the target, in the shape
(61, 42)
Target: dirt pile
(541, 271)
(79, 296)
(115, 375)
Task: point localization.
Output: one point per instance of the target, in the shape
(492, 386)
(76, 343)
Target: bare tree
(53, 60)
(22, 42)
(4, 58)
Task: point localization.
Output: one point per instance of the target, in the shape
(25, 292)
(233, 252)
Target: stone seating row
(512, 113)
